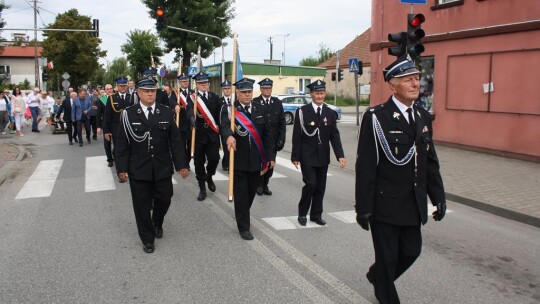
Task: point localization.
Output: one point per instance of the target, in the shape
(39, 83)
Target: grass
(345, 101)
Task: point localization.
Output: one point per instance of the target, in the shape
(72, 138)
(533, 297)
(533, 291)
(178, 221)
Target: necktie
(267, 101)
(228, 102)
(246, 108)
(122, 96)
(150, 114)
(319, 112)
(411, 119)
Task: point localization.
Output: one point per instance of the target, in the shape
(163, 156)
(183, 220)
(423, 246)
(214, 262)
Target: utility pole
(336, 81)
(36, 66)
(271, 46)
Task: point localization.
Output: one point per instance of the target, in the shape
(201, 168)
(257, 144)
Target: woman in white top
(18, 108)
(45, 109)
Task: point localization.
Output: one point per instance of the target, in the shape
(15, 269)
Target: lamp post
(283, 54)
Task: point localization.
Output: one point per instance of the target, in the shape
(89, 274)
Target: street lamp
(283, 54)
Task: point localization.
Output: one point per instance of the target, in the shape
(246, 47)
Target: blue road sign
(353, 65)
(413, 1)
(162, 72)
(192, 70)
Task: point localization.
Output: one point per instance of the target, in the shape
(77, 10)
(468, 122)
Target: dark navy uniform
(396, 169)
(276, 116)
(113, 108)
(100, 122)
(225, 105)
(247, 160)
(146, 149)
(206, 141)
(186, 117)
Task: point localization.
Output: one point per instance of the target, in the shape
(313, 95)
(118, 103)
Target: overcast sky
(308, 23)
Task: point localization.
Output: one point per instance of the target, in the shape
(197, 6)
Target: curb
(7, 168)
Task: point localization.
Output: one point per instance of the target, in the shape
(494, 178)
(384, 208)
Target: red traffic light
(160, 12)
(417, 20)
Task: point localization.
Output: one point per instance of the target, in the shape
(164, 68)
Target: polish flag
(50, 65)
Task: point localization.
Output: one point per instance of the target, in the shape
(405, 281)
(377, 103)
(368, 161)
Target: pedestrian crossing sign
(192, 70)
(353, 65)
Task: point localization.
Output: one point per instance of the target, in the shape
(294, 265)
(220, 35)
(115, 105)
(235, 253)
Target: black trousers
(203, 152)
(71, 130)
(245, 187)
(93, 126)
(108, 149)
(396, 249)
(142, 195)
(226, 153)
(313, 191)
(265, 179)
(185, 140)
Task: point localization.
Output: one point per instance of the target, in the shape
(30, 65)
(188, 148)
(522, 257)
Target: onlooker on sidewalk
(46, 105)
(18, 108)
(4, 115)
(94, 99)
(33, 101)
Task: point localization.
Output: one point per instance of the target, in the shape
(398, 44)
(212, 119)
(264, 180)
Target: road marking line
(288, 164)
(289, 222)
(348, 217)
(98, 176)
(296, 255)
(41, 182)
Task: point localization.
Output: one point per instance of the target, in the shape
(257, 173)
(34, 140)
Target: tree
(323, 54)
(119, 68)
(205, 16)
(99, 76)
(76, 53)
(141, 45)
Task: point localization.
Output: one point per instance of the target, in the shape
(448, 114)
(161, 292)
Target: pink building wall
(474, 43)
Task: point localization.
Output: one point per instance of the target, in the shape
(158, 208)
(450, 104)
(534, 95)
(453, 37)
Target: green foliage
(118, 68)
(205, 16)
(323, 54)
(76, 53)
(25, 85)
(345, 101)
(139, 48)
(98, 77)
(3, 6)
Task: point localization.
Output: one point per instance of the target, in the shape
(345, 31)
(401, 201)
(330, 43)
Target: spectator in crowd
(46, 105)
(18, 108)
(33, 101)
(4, 114)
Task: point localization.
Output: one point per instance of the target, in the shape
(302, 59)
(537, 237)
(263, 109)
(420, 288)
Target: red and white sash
(201, 108)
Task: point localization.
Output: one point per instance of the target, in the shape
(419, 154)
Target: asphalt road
(76, 246)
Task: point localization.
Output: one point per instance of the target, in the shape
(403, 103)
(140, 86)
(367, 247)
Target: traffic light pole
(211, 36)
(336, 81)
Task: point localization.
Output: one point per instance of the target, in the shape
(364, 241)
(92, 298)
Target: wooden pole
(178, 93)
(231, 152)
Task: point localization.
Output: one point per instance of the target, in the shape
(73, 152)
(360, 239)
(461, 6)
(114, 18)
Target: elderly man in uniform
(276, 115)
(225, 103)
(396, 169)
(206, 135)
(254, 145)
(147, 141)
(100, 116)
(315, 128)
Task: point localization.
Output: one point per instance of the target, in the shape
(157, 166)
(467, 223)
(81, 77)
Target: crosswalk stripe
(98, 176)
(348, 217)
(288, 222)
(41, 182)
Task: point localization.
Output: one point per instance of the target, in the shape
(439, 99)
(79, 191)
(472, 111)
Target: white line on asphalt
(41, 182)
(288, 222)
(348, 217)
(288, 164)
(295, 254)
(98, 176)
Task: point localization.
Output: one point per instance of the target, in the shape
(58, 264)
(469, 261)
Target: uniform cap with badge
(201, 77)
(244, 84)
(146, 83)
(121, 81)
(266, 83)
(183, 76)
(225, 84)
(402, 67)
(318, 85)
(150, 72)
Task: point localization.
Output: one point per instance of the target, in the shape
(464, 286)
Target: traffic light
(160, 19)
(340, 74)
(360, 68)
(414, 34)
(95, 27)
(333, 76)
(401, 40)
(44, 76)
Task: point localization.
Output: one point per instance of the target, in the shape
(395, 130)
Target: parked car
(293, 102)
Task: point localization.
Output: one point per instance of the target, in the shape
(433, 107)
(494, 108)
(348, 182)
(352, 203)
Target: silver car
(293, 102)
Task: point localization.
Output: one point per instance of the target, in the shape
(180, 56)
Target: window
(5, 69)
(442, 4)
(446, 1)
(302, 83)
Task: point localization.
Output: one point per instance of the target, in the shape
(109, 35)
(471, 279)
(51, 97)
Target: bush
(345, 101)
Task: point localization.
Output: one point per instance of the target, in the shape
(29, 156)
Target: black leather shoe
(94, 137)
(318, 221)
(211, 185)
(246, 235)
(201, 196)
(110, 163)
(88, 141)
(259, 191)
(370, 278)
(75, 140)
(148, 248)
(80, 144)
(159, 232)
(302, 220)
(70, 143)
(267, 191)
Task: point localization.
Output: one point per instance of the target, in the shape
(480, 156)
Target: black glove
(364, 219)
(280, 144)
(441, 211)
(192, 122)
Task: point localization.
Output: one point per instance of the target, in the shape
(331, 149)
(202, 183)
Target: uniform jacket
(112, 116)
(94, 100)
(204, 134)
(247, 157)
(151, 159)
(185, 113)
(396, 194)
(310, 150)
(276, 116)
(79, 106)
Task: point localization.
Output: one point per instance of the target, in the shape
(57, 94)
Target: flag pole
(178, 92)
(231, 151)
(199, 67)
